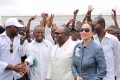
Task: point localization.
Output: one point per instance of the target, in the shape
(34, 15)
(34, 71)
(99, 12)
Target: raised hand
(50, 20)
(90, 8)
(44, 15)
(44, 19)
(32, 17)
(113, 15)
(88, 15)
(76, 12)
(74, 17)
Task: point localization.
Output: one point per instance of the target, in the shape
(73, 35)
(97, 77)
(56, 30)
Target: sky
(58, 7)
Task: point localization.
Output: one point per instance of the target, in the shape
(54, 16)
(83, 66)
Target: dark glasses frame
(85, 30)
(58, 33)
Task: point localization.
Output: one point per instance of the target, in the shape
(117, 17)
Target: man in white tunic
(11, 51)
(109, 44)
(41, 51)
(61, 56)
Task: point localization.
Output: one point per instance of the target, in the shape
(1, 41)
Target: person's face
(22, 31)
(59, 35)
(39, 34)
(98, 27)
(74, 35)
(13, 30)
(117, 34)
(110, 30)
(86, 32)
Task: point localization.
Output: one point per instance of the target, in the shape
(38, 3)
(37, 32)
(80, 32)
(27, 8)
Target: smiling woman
(88, 57)
(86, 32)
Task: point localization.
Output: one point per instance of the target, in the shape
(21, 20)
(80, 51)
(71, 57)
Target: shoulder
(96, 45)
(98, 48)
(112, 37)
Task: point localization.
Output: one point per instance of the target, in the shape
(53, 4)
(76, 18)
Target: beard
(97, 30)
(14, 34)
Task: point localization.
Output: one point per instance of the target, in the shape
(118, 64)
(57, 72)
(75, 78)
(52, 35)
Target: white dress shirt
(41, 52)
(110, 48)
(117, 65)
(6, 57)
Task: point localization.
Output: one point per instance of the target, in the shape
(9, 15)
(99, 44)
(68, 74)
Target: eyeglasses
(57, 33)
(85, 30)
(11, 48)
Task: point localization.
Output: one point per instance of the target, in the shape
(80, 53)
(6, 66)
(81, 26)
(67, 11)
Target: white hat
(14, 22)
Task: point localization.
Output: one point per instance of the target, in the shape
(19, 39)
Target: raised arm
(50, 20)
(90, 9)
(114, 17)
(44, 19)
(27, 31)
(28, 28)
(74, 17)
(88, 15)
(72, 21)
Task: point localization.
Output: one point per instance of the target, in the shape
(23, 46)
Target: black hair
(67, 31)
(92, 25)
(1, 29)
(101, 21)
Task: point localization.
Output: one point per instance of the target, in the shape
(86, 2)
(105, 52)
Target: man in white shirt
(41, 51)
(61, 56)
(11, 51)
(109, 44)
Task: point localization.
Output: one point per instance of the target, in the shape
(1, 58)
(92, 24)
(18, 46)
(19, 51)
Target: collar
(107, 35)
(34, 42)
(89, 44)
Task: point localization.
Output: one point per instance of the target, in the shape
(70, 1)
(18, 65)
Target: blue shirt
(89, 62)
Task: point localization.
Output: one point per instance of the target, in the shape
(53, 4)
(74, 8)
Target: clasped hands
(21, 68)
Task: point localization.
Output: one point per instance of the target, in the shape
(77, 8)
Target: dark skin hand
(88, 15)
(72, 21)
(27, 31)
(44, 19)
(114, 17)
(50, 20)
(74, 17)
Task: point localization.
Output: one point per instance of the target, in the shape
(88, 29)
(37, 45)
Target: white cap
(14, 22)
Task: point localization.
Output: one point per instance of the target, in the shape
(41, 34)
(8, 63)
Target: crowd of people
(76, 50)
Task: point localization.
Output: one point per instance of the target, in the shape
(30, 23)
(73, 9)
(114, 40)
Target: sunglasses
(11, 48)
(85, 30)
(57, 33)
